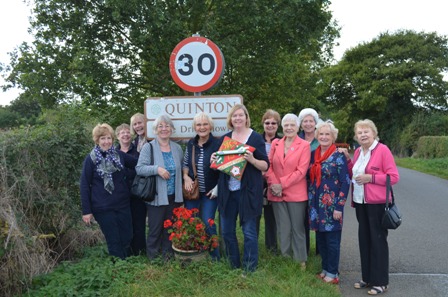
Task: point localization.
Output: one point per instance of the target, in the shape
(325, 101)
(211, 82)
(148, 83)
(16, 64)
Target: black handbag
(144, 187)
(392, 217)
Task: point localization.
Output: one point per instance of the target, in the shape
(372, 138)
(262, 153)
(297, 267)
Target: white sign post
(181, 110)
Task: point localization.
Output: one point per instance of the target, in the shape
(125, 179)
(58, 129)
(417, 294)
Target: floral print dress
(331, 194)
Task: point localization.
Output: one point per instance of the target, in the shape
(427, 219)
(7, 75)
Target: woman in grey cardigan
(168, 157)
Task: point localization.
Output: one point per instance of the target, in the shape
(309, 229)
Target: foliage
(432, 147)
(388, 80)
(116, 53)
(423, 124)
(98, 275)
(188, 232)
(436, 167)
(8, 118)
(39, 197)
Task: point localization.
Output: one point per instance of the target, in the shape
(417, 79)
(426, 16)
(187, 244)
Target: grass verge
(97, 274)
(437, 167)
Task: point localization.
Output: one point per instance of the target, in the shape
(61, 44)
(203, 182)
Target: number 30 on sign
(196, 64)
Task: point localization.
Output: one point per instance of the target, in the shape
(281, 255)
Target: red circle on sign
(208, 84)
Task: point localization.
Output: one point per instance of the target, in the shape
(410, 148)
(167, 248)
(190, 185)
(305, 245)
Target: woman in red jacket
(372, 162)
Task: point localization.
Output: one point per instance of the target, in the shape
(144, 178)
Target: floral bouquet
(187, 231)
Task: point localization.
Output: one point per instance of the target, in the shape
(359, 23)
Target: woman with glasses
(167, 165)
(270, 120)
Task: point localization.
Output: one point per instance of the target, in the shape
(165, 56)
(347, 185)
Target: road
(418, 248)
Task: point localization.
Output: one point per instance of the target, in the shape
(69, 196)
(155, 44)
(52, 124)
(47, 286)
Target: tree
(388, 80)
(116, 52)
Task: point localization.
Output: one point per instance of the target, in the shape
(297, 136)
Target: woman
(104, 192)
(138, 129)
(327, 193)
(308, 119)
(167, 165)
(372, 162)
(204, 145)
(270, 120)
(290, 158)
(242, 197)
(138, 207)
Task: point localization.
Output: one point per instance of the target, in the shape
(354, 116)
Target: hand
(163, 173)
(188, 183)
(362, 179)
(337, 215)
(87, 218)
(213, 158)
(249, 156)
(276, 190)
(345, 152)
(213, 193)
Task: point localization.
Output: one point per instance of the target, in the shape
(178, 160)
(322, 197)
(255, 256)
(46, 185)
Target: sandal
(361, 285)
(331, 280)
(376, 290)
(320, 275)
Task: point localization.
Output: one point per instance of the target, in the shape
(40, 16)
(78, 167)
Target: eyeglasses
(270, 123)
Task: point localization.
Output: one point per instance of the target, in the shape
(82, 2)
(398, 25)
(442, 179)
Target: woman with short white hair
(286, 177)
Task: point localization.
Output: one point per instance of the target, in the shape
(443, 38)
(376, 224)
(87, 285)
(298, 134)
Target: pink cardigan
(290, 170)
(380, 164)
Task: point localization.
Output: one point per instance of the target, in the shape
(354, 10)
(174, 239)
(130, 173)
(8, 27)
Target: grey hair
(162, 119)
(290, 117)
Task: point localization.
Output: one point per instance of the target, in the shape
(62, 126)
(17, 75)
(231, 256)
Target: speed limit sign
(196, 64)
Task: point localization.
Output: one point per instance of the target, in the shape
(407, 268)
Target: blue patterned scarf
(106, 165)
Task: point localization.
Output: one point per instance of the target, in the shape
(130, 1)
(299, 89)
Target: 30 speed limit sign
(196, 64)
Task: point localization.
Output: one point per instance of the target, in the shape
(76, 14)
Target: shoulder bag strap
(152, 154)
(389, 190)
(193, 163)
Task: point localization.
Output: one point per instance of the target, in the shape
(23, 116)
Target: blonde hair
(133, 119)
(232, 111)
(102, 130)
(203, 116)
(366, 124)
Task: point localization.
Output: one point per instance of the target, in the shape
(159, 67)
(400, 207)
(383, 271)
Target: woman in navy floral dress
(327, 193)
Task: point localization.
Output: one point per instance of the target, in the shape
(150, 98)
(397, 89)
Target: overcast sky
(361, 21)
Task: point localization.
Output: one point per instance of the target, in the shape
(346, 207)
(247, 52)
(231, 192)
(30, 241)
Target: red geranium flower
(187, 231)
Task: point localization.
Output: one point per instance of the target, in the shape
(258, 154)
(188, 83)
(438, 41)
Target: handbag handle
(389, 189)
(193, 163)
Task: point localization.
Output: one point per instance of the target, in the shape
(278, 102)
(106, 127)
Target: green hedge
(430, 147)
(40, 211)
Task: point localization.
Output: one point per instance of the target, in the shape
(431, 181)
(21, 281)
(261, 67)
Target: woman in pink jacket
(372, 162)
(286, 177)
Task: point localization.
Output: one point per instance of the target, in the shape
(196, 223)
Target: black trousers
(373, 246)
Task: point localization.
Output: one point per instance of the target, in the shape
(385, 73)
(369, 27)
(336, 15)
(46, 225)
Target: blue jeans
(116, 226)
(329, 244)
(207, 209)
(228, 225)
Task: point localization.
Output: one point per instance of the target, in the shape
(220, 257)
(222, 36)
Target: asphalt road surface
(418, 248)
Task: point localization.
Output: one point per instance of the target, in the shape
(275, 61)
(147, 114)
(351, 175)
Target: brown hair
(232, 111)
(102, 130)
